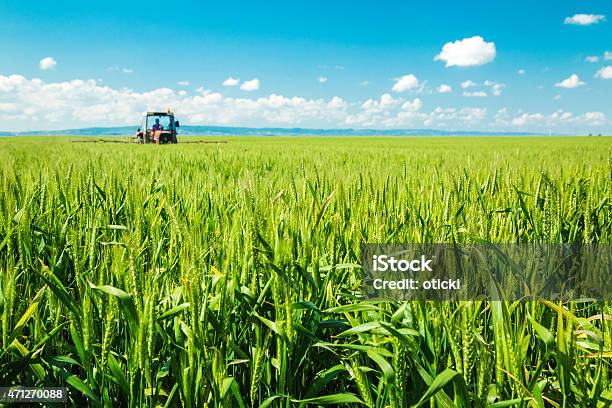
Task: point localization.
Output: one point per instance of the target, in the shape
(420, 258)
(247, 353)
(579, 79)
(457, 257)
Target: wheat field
(228, 275)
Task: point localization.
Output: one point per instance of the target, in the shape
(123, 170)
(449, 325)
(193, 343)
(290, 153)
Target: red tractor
(158, 128)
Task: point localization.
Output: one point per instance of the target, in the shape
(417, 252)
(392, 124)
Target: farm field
(227, 275)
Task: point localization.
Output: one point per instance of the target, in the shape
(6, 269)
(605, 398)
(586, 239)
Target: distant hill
(247, 131)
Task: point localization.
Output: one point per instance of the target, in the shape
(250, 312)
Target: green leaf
(126, 301)
(61, 360)
(358, 347)
(323, 378)
(563, 363)
(276, 328)
(76, 383)
(537, 394)
(27, 314)
(27, 355)
(118, 374)
(304, 305)
(225, 386)
(437, 384)
(78, 345)
(191, 335)
(58, 289)
(268, 401)
(357, 307)
(169, 401)
(51, 334)
(174, 311)
(384, 365)
(507, 403)
(543, 333)
(237, 395)
(333, 399)
(365, 327)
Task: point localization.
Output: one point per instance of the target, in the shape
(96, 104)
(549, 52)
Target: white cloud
(364, 83)
(584, 19)
(468, 84)
(413, 105)
(445, 88)
(556, 119)
(593, 118)
(121, 69)
(592, 58)
(527, 118)
(47, 63)
(251, 85)
(496, 87)
(478, 94)
(557, 97)
(386, 101)
(408, 115)
(337, 103)
(605, 72)
(183, 83)
(467, 52)
(561, 115)
(33, 103)
(587, 118)
(231, 81)
(608, 55)
(450, 117)
(521, 71)
(573, 81)
(405, 83)
(501, 117)
(322, 79)
(388, 112)
(373, 111)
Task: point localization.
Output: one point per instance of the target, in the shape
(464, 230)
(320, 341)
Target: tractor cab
(158, 128)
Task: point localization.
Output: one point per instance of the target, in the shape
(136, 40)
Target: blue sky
(316, 64)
